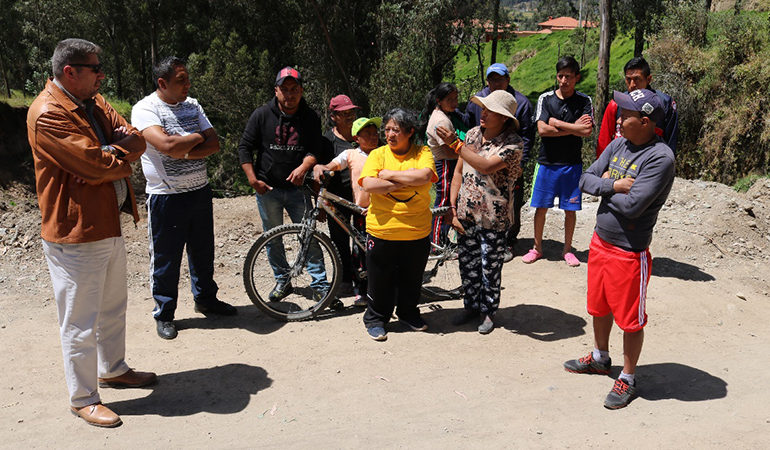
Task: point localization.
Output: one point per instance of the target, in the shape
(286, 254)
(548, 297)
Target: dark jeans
(395, 270)
(176, 221)
(342, 240)
(518, 202)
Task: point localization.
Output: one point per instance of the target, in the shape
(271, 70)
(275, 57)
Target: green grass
(537, 74)
(745, 183)
(19, 100)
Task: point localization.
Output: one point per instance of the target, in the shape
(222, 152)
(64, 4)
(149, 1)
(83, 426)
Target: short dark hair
(165, 68)
(568, 62)
(405, 119)
(637, 63)
(71, 51)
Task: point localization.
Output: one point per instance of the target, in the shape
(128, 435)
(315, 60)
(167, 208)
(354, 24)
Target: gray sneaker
(508, 255)
(588, 364)
(487, 325)
(620, 396)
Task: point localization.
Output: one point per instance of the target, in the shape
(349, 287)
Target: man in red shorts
(633, 176)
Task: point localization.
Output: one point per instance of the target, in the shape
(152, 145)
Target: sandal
(531, 256)
(571, 259)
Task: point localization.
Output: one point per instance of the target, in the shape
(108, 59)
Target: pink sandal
(571, 259)
(531, 256)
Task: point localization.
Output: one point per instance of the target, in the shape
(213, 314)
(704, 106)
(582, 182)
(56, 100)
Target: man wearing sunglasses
(82, 151)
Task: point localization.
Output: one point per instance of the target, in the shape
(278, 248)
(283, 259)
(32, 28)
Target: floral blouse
(487, 200)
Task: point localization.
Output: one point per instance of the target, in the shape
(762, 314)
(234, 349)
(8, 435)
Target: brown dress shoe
(129, 379)
(97, 415)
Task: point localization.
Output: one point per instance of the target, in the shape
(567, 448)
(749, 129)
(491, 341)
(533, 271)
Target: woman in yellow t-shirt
(398, 177)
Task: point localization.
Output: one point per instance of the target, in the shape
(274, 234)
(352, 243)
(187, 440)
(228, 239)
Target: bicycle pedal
(434, 307)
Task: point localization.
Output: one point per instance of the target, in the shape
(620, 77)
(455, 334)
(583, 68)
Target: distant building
(563, 23)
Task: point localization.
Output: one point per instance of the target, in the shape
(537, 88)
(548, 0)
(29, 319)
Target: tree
(603, 72)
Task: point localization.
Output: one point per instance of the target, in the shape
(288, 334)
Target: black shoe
(166, 329)
(464, 317)
(336, 305)
(281, 290)
(217, 307)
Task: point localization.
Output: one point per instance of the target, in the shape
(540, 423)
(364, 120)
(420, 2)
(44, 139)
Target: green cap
(363, 122)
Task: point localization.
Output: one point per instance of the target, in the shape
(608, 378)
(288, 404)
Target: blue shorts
(557, 181)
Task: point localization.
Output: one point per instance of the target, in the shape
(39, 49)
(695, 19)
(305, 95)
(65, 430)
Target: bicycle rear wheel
(441, 279)
(309, 294)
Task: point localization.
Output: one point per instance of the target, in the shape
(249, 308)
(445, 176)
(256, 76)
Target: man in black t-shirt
(564, 117)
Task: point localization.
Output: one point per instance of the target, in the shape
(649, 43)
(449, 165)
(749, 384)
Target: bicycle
(303, 242)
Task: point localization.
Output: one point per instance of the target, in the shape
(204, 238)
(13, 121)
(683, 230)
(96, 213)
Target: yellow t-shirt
(404, 214)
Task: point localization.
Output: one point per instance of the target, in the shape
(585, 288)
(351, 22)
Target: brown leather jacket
(74, 176)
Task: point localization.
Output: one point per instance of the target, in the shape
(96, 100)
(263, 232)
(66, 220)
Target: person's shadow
(249, 318)
(551, 250)
(540, 322)
(219, 390)
(674, 381)
(666, 267)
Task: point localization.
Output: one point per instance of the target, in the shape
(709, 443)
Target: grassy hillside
(534, 58)
(19, 100)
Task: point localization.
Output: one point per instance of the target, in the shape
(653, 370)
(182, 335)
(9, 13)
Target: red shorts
(617, 283)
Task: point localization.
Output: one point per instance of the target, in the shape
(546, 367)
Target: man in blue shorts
(564, 116)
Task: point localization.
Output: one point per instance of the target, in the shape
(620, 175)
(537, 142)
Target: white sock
(601, 355)
(627, 377)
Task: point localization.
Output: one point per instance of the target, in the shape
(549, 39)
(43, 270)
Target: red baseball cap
(287, 72)
(341, 103)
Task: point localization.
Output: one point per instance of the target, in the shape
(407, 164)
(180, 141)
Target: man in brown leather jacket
(82, 150)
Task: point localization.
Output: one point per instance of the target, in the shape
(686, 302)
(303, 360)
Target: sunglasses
(95, 67)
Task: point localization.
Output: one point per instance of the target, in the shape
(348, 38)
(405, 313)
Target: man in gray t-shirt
(179, 200)
(633, 176)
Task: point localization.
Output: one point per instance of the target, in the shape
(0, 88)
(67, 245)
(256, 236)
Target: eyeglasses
(96, 68)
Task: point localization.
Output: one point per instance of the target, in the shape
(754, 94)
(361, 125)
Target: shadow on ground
(673, 381)
(249, 318)
(551, 250)
(666, 267)
(219, 390)
(536, 321)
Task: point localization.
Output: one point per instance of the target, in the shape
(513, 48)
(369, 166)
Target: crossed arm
(192, 146)
(555, 127)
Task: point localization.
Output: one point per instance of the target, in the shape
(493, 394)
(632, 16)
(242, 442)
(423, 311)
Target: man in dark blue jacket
(282, 141)
(498, 77)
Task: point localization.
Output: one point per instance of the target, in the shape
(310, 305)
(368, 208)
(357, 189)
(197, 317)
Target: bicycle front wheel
(312, 272)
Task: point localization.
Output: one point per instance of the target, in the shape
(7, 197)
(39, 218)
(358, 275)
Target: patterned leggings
(481, 253)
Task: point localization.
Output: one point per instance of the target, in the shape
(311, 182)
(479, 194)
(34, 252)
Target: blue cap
(643, 100)
(498, 68)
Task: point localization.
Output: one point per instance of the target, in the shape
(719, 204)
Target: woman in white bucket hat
(482, 203)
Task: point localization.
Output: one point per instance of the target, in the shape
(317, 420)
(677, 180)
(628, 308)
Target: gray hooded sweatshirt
(627, 220)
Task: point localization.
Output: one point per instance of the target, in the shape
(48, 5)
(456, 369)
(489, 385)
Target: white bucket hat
(499, 101)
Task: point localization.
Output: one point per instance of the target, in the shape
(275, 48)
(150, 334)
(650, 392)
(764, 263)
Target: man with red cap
(339, 138)
(281, 142)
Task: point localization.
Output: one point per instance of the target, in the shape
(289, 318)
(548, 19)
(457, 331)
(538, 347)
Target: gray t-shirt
(627, 220)
(164, 174)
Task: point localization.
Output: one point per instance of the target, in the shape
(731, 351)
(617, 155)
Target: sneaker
(416, 324)
(531, 256)
(217, 307)
(508, 255)
(487, 325)
(281, 290)
(620, 396)
(464, 317)
(377, 333)
(588, 364)
(359, 301)
(336, 305)
(571, 259)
